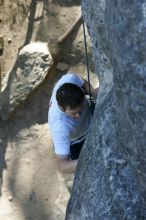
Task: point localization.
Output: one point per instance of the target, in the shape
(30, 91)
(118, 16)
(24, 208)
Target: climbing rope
(87, 60)
(92, 101)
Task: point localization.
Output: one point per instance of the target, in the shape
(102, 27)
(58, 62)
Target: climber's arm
(94, 91)
(64, 163)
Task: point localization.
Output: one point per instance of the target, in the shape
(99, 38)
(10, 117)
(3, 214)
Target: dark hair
(69, 95)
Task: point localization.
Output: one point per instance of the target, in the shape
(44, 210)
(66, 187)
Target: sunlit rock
(29, 71)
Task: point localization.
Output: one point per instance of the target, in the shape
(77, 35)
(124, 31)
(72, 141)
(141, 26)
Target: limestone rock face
(110, 177)
(29, 71)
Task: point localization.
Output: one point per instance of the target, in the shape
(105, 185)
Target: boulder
(29, 71)
(110, 177)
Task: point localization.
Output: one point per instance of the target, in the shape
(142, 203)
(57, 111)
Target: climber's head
(70, 99)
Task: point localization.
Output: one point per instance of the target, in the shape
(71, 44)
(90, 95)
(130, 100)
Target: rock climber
(69, 119)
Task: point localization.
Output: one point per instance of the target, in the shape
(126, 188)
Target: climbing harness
(92, 101)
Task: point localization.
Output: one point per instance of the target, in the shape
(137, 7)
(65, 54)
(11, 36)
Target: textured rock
(110, 177)
(1, 45)
(30, 70)
(62, 66)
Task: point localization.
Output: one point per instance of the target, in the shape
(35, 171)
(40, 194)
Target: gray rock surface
(62, 66)
(110, 177)
(29, 71)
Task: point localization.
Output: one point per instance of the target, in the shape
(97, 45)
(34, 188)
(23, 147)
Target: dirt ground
(30, 185)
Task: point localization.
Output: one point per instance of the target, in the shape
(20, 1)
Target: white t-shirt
(65, 129)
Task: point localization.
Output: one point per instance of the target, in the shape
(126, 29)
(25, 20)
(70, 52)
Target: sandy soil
(31, 187)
